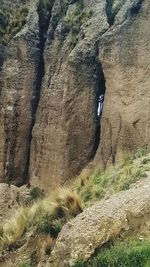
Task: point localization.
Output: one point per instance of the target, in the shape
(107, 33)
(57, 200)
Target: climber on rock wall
(99, 108)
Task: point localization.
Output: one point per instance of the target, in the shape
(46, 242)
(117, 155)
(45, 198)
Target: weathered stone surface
(64, 133)
(48, 129)
(125, 211)
(11, 197)
(19, 81)
(125, 59)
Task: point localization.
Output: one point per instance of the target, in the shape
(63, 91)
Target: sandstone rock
(19, 82)
(123, 212)
(125, 58)
(64, 133)
(50, 91)
(11, 198)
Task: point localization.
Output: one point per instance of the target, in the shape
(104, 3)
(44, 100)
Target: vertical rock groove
(109, 12)
(44, 13)
(101, 91)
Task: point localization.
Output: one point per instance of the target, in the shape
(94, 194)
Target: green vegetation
(35, 194)
(46, 216)
(26, 263)
(72, 22)
(127, 253)
(48, 225)
(116, 178)
(10, 23)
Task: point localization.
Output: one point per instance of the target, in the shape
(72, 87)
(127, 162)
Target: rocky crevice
(135, 9)
(113, 7)
(101, 91)
(110, 13)
(44, 13)
(49, 17)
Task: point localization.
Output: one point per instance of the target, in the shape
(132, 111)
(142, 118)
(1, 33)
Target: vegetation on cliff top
(72, 22)
(10, 23)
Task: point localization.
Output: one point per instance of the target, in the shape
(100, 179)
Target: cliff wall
(65, 56)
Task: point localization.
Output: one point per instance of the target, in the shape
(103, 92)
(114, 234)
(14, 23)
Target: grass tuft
(46, 216)
(128, 253)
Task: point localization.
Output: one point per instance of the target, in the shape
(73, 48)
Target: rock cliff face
(125, 59)
(55, 68)
(19, 82)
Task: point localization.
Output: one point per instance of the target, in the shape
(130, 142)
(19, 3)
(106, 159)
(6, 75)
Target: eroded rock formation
(53, 73)
(125, 59)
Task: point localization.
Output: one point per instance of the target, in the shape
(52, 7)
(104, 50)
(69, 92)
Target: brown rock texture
(19, 81)
(64, 133)
(51, 83)
(125, 60)
(123, 212)
(11, 198)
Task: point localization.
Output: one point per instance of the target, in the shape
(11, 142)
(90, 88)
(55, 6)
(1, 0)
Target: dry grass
(45, 245)
(46, 216)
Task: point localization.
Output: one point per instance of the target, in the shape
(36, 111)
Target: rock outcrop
(64, 134)
(125, 58)
(54, 71)
(19, 76)
(127, 211)
(11, 198)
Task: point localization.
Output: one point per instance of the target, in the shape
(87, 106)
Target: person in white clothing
(100, 105)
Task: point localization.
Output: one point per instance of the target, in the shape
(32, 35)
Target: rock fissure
(135, 9)
(44, 13)
(99, 106)
(109, 12)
